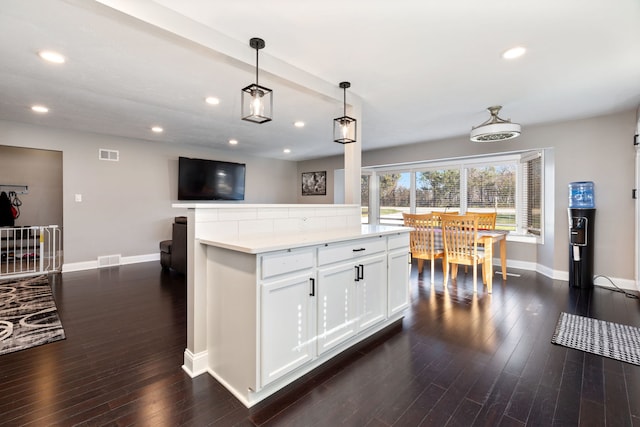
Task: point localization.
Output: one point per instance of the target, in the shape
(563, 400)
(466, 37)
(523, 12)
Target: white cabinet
(371, 291)
(336, 305)
(288, 320)
(287, 312)
(273, 316)
(399, 269)
(352, 295)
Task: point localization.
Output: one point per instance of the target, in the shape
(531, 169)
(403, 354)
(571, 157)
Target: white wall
(596, 149)
(126, 205)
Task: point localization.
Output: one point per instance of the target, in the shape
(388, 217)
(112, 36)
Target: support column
(353, 156)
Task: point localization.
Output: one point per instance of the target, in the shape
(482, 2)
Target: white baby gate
(27, 251)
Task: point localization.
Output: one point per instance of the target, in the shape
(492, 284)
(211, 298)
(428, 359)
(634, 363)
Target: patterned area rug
(28, 314)
(612, 340)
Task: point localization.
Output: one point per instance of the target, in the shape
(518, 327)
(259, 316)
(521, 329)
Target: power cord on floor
(617, 289)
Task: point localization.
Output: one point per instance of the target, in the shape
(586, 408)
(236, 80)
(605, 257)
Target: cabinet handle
(360, 250)
(313, 287)
(361, 276)
(357, 267)
(410, 258)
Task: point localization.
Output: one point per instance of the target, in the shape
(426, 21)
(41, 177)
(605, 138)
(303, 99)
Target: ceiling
(420, 70)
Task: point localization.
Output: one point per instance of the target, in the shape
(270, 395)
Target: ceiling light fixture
(257, 101)
(495, 129)
(344, 128)
(40, 109)
(212, 100)
(514, 52)
(233, 142)
(51, 56)
(157, 129)
(299, 124)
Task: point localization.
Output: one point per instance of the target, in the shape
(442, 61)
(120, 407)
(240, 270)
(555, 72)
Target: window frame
(463, 163)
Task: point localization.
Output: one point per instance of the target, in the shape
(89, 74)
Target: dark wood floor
(458, 360)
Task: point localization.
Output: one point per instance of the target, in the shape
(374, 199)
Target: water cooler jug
(582, 215)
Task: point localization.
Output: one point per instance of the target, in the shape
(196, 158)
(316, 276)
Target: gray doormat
(612, 340)
(28, 314)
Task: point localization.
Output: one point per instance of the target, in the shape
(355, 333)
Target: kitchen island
(275, 291)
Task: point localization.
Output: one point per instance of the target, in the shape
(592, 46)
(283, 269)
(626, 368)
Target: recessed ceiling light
(212, 100)
(51, 56)
(299, 124)
(233, 141)
(40, 109)
(286, 151)
(514, 52)
(157, 129)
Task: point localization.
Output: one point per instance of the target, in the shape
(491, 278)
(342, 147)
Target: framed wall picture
(314, 183)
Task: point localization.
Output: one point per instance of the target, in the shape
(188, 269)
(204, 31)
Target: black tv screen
(200, 179)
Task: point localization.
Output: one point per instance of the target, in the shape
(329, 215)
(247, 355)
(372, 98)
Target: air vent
(111, 155)
(108, 260)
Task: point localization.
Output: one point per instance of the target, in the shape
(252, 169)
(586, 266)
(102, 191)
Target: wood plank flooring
(457, 360)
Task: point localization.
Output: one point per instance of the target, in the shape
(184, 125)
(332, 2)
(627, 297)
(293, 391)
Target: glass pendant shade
(257, 101)
(345, 127)
(344, 130)
(257, 104)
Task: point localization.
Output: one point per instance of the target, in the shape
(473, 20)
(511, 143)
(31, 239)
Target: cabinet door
(288, 325)
(371, 288)
(398, 280)
(336, 305)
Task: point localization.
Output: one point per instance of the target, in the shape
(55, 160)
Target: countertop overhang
(269, 242)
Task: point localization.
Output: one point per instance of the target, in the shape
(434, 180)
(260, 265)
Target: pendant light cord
(257, 50)
(344, 100)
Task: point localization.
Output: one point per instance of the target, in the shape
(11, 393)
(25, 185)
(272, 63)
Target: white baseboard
(90, 265)
(195, 364)
(626, 284)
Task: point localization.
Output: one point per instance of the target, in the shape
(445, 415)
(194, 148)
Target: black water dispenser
(582, 216)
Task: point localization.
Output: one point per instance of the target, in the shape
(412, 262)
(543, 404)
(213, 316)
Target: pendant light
(344, 128)
(257, 101)
(495, 129)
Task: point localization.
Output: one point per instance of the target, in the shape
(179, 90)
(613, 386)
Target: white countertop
(236, 205)
(274, 242)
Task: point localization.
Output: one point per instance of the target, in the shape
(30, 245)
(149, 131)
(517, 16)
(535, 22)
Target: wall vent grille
(108, 260)
(110, 155)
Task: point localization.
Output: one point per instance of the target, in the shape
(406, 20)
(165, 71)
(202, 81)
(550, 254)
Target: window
(493, 189)
(532, 185)
(394, 196)
(509, 184)
(364, 198)
(438, 190)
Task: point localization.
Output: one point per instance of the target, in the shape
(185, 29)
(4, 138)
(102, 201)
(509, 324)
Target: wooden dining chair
(460, 238)
(422, 240)
(486, 220)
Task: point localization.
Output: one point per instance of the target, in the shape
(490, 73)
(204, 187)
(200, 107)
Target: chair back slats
(486, 220)
(460, 236)
(422, 239)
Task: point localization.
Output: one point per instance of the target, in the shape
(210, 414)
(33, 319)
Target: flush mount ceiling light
(495, 129)
(257, 101)
(514, 52)
(39, 109)
(344, 128)
(51, 56)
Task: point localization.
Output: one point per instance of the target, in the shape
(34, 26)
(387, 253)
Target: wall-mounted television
(200, 179)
